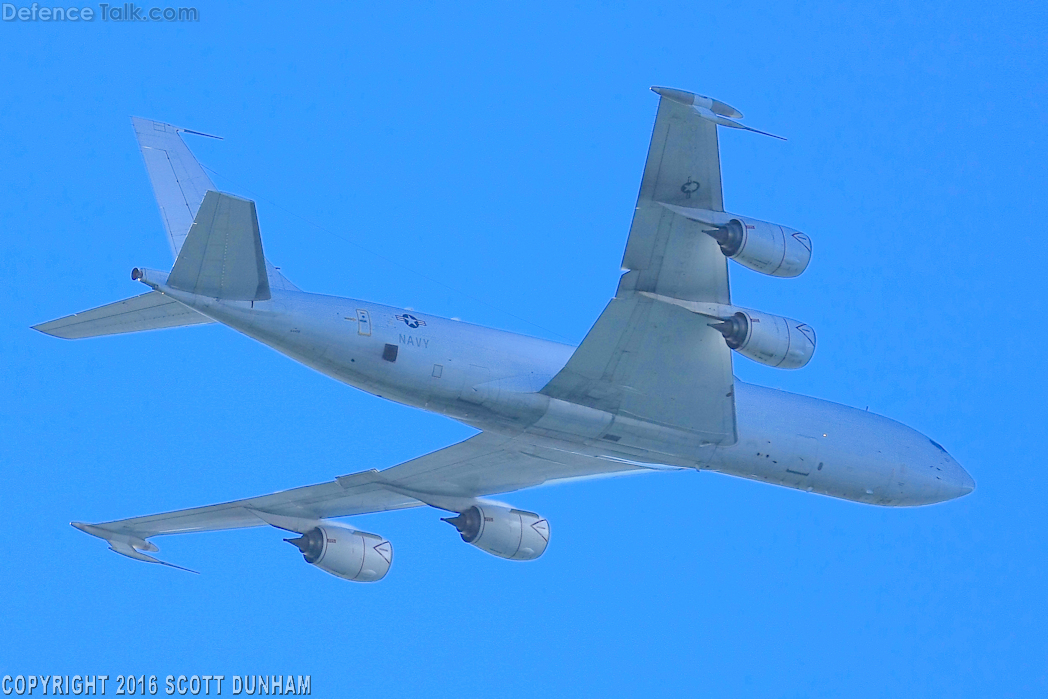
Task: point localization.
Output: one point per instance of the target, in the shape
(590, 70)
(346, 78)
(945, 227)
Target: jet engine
(346, 553)
(503, 532)
(772, 340)
(764, 247)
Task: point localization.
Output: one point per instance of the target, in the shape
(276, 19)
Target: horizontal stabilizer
(222, 255)
(152, 311)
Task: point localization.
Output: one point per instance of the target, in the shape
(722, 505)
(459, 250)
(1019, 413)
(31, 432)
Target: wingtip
(87, 529)
(41, 328)
(673, 94)
(693, 99)
(137, 121)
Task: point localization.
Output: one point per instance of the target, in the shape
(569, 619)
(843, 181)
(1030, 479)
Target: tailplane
(220, 258)
(214, 238)
(152, 311)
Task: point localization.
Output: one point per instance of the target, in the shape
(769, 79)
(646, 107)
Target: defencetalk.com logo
(126, 12)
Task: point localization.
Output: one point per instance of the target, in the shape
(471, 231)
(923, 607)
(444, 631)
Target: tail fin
(151, 311)
(180, 183)
(214, 238)
(222, 255)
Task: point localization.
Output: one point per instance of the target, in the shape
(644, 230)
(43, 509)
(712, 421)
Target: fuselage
(491, 380)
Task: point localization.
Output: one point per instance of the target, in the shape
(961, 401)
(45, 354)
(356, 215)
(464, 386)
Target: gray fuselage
(490, 379)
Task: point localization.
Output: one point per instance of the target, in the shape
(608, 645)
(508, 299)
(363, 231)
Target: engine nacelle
(346, 553)
(772, 340)
(764, 247)
(503, 532)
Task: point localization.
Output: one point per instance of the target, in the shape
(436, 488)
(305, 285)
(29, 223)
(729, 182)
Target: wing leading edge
(451, 478)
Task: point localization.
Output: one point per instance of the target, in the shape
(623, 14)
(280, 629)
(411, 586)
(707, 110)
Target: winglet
(127, 545)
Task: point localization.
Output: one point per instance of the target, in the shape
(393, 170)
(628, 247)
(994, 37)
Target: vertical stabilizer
(222, 254)
(179, 182)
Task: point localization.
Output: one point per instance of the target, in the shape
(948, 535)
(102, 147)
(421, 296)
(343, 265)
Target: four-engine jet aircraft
(650, 387)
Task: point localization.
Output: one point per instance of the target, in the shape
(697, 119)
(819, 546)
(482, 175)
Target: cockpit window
(938, 446)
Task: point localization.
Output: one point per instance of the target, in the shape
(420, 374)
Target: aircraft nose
(949, 479)
(958, 482)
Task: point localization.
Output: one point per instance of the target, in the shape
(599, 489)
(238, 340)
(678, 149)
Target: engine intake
(771, 340)
(503, 532)
(346, 553)
(764, 247)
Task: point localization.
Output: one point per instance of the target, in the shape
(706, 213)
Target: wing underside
(653, 360)
(485, 464)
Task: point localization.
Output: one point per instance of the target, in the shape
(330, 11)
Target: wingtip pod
(127, 545)
(109, 535)
(709, 109)
(143, 125)
(690, 99)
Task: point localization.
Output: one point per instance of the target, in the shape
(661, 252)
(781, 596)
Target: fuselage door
(363, 322)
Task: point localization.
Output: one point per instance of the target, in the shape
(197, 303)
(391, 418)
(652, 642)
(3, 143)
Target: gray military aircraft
(649, 389)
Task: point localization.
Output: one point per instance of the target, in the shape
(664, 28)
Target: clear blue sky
(498, 149)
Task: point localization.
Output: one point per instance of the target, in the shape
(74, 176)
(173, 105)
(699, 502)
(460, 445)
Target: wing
(484, 464)
(645, 358)
(665, 253)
